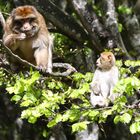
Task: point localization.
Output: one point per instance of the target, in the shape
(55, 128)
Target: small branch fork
(68, 67)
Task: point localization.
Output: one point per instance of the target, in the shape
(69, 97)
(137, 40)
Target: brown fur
(23, 11)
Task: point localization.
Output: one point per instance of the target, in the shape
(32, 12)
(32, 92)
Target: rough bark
(112, 25)
(61, 20)
(89, 21)
(58, 133)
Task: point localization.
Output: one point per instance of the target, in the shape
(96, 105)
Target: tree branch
(89, 21)
(112, 24)
(61, 20)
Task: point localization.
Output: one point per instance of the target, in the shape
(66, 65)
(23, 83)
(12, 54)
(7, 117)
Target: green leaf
(76, 93)
(45, 133)
(135, 127)
(75, 114)
(16, 98)
(66, 116)
(116, 119)
(35, 76)
(26, 113)
(124, 10)
(126, 118)
(51, 85)
(93, 114)
(51, 123)
(32, 119)
(36, 113)
(26, 103)
(88, 76)
(120, 27)
(29, 96)
(79, 126)
(57, 119)
(85, 87)
(107, 113)
(10, 90)
(78, 76)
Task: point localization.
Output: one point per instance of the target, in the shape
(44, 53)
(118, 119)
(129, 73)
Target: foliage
(59, 100)
(124, 10)
(5, 6)
(63, 47)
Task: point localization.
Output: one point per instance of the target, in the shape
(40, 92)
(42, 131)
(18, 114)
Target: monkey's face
(105, 61)
(24, 20)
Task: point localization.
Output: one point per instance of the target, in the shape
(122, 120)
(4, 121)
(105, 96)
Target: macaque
(105, 78)
(27, 36)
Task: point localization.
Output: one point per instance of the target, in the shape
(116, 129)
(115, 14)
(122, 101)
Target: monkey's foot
(49, 70)
(98, 101)
(44, 69)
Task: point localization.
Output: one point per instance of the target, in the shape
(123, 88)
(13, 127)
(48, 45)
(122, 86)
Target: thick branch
(68, 67)
(61, 20)
(89, 20)
(112, 24)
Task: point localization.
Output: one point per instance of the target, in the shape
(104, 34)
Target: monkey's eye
(17, 22)
(31, 19)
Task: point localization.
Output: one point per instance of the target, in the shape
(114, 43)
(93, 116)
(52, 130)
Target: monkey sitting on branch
(26, 34)
(27, 38)
(105, 78)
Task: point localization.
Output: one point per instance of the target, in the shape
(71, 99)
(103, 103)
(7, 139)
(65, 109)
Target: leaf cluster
(66, 100)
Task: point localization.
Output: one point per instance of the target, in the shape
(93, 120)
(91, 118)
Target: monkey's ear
(110, 57)
(102, 55)
(13, 13)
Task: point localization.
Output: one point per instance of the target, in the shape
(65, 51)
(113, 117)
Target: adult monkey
(26, 34)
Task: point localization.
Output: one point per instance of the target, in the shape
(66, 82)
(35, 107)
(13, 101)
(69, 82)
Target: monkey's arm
(43, 53)
(115, 74)
(94, 86)
(11, 39)
(43, 59)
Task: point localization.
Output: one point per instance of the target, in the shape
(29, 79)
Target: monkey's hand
(21, 36)
(95, 88)
(98, 101)
(32, 32)
(10, 40)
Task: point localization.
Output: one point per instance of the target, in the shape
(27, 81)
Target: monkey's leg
(43, 59)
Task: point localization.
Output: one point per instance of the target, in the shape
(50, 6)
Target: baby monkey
(105, 78)
(26, 34)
